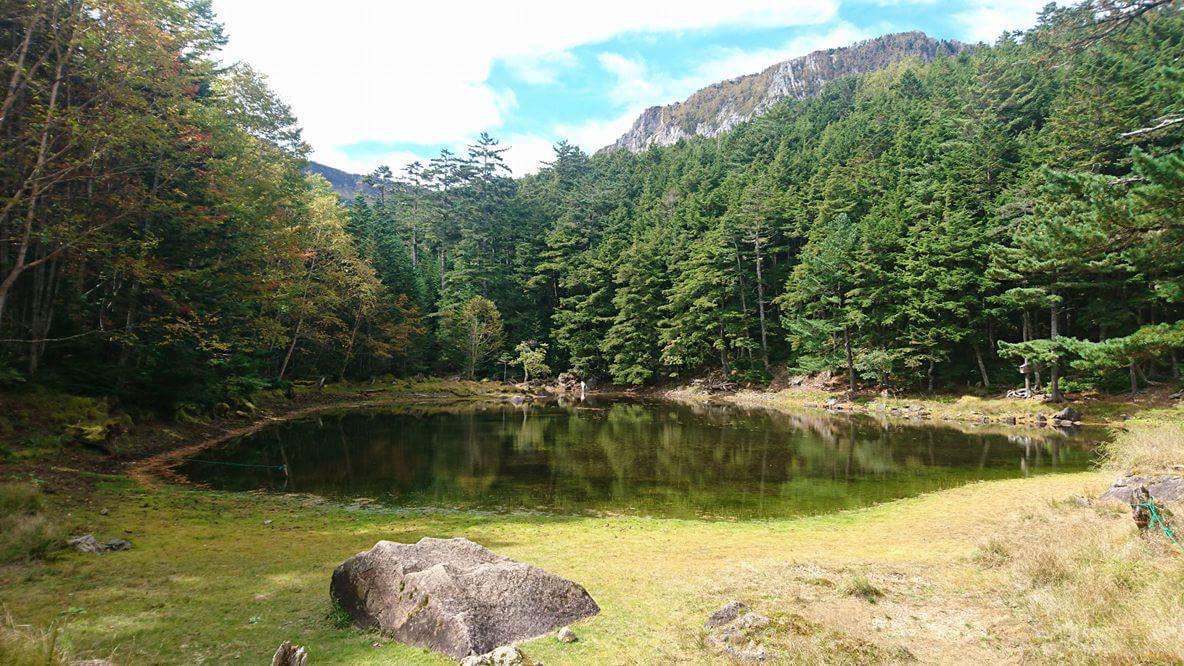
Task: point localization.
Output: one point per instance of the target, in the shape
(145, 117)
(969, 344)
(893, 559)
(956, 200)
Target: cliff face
(721, 106)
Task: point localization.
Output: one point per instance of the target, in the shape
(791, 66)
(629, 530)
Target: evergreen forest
(934, 225)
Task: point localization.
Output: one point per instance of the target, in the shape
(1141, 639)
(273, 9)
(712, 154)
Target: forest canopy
(934, 223)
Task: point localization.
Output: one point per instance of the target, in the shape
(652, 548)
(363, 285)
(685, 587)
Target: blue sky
(391, 82)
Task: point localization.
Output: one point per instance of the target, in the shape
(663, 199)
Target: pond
(639, 458)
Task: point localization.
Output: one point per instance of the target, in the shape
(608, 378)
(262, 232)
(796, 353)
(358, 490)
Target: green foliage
(473, 332)
(891, 228)
(532, 358)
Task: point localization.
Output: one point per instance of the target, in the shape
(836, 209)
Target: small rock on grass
(506, 655)
(726, 614)
(566, 635)
(733, 626)
(87, 543)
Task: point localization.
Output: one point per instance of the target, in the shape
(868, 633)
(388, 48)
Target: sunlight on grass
(1148, 448)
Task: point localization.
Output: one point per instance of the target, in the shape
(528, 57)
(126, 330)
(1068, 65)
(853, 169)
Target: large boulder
(1163, 487)
(454, 596)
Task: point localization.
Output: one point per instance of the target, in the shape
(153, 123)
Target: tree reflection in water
(656, 458)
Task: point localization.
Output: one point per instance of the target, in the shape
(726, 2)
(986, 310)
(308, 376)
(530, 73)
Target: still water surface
(656, 458)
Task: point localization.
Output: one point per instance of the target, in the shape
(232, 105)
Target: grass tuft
(25, 646)
(994, 552)
(860, 586)
(26, 532)
(338, 618)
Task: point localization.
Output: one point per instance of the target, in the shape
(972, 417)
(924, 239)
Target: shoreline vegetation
(1025, 569)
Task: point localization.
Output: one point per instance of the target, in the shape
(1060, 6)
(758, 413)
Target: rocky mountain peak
(721, 106)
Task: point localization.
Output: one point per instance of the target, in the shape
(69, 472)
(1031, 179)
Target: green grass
(986, 571)
(208, 579)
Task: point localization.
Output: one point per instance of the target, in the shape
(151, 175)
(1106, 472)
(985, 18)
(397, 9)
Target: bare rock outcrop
(454, 596)
(724, 105)
(1163, 487)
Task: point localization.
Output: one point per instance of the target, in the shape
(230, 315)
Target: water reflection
(630, 457)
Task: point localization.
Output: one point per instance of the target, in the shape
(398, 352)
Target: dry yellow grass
(1148, 448)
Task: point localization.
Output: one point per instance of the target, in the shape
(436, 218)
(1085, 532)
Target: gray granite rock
(454, 596)
(1163, 487)
(726, 614)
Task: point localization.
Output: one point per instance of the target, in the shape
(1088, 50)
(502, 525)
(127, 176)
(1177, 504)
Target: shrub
(20, 498)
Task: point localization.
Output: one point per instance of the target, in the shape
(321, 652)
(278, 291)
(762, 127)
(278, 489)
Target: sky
(393, 81)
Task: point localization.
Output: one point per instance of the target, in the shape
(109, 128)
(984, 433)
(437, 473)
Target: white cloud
(415, 71)
(540, 69)
(527, 152)
(595, 134)
(986, 20)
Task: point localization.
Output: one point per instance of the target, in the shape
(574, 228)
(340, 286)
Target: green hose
(1158, 521)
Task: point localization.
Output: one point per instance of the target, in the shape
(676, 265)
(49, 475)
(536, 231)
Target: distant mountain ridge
(346, 185)
(724, 105)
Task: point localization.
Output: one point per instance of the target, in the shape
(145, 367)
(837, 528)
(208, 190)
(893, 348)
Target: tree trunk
(349, 348)
(929, 375)
(740, 281)
(723, 351)
(1027, 328)
(982, 367)
(850, 360)
(31, 213)
(41, 311)
(474, 349)
(760, 301)
(291, 348)
(1054, 379)
(14, 83)
(1134, 377)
